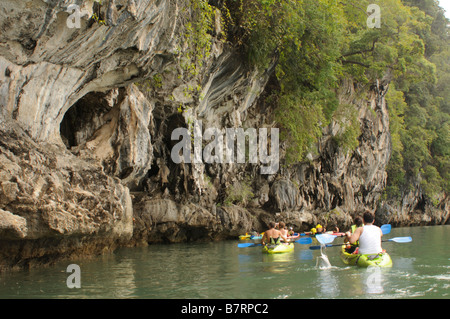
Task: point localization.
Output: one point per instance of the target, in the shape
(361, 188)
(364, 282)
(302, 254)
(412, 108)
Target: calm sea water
(421, 269)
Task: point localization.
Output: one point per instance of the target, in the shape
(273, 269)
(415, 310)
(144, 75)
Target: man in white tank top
(369, 236)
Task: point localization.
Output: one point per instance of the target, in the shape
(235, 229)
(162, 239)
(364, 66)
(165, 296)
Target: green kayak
(381, 260)
(278, 249)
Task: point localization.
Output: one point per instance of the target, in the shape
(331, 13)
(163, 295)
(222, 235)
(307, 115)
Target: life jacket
(353, 228)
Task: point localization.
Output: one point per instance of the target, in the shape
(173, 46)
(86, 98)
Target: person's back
(283, 229)
(370, 240)
(272, 236)
(369, 236)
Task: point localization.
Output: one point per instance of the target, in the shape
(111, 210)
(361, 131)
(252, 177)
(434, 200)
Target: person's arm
(284, 237)
(353, 238)
(263, 238)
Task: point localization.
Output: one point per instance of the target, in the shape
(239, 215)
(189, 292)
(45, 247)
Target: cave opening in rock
(87, 115)
(180, 179)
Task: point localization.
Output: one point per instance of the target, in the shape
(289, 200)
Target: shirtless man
(272, 236)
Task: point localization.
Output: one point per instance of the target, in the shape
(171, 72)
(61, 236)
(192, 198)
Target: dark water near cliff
(222, 270)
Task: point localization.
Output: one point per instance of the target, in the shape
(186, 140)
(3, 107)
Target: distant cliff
(86, 118)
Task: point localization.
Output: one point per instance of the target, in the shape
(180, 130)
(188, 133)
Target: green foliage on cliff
(239, 193)
(197, 36)
(396, 172)
(303, 40)
(419, 112)
(314, 44)
(311, 46)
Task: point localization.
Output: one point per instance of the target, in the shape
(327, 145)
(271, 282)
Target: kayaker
(283, 230)
(273, 236)
(291, 231)
(352, 248)
(369, 236)
(358, 223)
(320, 229)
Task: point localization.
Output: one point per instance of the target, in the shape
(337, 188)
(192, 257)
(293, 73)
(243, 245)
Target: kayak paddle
(326, 239)
(395, 240)
(385, 229)
(303, 241)
(399, 240)
(318, 247)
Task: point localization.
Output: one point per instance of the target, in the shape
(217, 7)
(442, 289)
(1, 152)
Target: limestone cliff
(86, 118)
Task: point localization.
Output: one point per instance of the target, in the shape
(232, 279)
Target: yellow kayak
(249, 236)
(382, 259)
(278, 249)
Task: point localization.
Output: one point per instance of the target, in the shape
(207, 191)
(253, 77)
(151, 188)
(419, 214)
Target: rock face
(414, 210)
(50, 65)
(65, 86)
(55, 204)
(163, 220)
(86, 116)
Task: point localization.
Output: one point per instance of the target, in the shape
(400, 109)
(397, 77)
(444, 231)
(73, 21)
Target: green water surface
(421, 269)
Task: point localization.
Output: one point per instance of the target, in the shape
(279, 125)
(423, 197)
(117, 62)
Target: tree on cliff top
(420, 113)
(315, 44)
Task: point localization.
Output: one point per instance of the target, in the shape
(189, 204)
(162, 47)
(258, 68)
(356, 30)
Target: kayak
(381, 260)
(251, 237)
(278, 249)
(294, 236)
(328, 232)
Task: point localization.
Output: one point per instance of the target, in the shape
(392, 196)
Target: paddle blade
(304, 241)
(385, 229)
(325, 238)
(401, 239)
(318, 247)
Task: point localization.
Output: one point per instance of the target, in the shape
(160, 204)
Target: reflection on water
(404, 263)
(124, 275)
(306, 254)
(328, 283)
(373, 280)
(274, 263)
(286, 257)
